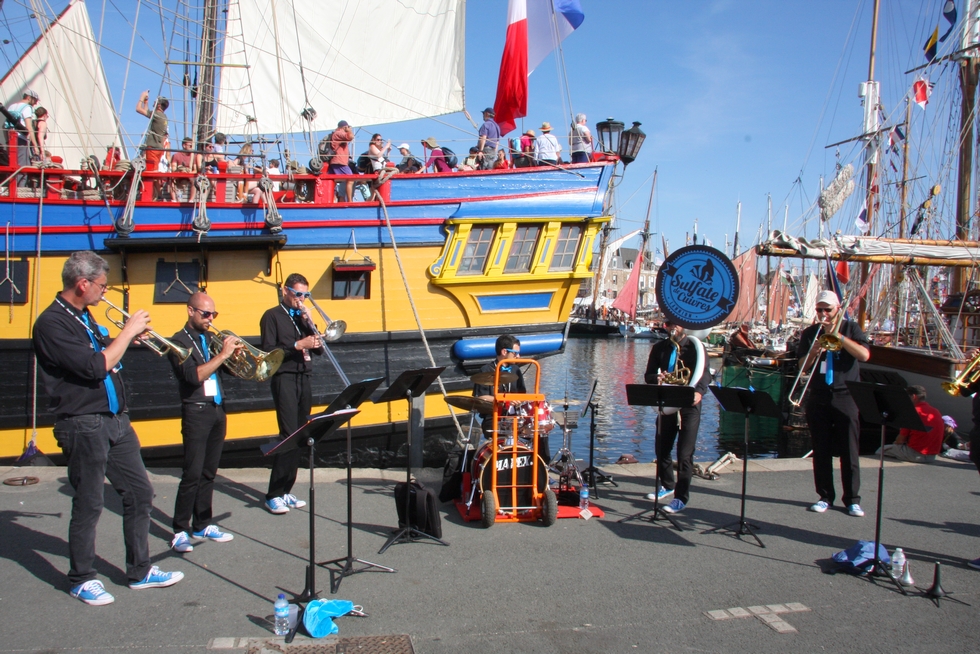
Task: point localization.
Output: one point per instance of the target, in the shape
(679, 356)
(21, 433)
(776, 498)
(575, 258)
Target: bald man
(202, 424)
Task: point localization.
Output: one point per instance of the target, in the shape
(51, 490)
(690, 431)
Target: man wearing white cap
(830, 409)
(27, 144)
(409, 163)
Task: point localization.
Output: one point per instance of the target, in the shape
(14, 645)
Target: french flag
(534, 29)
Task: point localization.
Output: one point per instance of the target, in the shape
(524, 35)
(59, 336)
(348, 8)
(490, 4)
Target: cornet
(969, 375)
(154, 341)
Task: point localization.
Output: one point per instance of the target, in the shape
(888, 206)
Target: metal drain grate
(395, 644)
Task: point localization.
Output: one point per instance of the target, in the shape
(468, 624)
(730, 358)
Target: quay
(577, 586)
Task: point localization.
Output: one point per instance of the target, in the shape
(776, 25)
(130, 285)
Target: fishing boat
(426, 270)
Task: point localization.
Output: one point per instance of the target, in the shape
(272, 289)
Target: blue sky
(738, 99)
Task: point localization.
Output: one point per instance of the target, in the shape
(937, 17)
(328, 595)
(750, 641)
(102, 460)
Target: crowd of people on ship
(26, 130)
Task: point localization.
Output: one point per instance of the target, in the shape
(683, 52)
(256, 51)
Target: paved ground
(579, 586)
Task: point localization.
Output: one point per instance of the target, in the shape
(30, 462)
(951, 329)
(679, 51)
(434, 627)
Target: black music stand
(316, 429)
(889, 406)
(593, 475)
(749, 402)
(350, 398)
(411, 383)
(660, 396)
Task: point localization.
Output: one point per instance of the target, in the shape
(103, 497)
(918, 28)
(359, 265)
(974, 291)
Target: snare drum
(541, 415)
(509, 460)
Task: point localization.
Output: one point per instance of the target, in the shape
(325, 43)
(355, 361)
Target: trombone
(333, 331)
(152, 340)
(966, 378)
(829, 341)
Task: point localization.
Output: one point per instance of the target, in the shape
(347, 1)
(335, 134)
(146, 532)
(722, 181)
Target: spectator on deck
(547, 149)
(409, 163)
(489, 139)
(24, 131)
(378, 154)
(40, 129)
(472, 162)
(340, 163)
(580, 140)
(437, 160)
(501, 163)
(526, 157)
(156, 133)
(919, 446)
(186, 161)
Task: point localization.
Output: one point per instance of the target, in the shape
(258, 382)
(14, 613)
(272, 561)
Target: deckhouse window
(565, 249)
(351, 284)
(521, 250)
(476, 251)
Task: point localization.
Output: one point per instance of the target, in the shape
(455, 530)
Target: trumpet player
(202, 424)
(665, 357)
(830, 410)
(80, 370)
(289, 326)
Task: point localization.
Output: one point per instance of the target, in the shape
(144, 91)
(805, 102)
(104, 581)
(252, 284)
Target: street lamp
(609, 132)
(630, 143)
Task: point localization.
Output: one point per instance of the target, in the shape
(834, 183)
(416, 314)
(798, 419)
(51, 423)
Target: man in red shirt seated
(919, 446)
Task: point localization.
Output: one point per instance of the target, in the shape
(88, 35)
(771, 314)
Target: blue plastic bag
(317, 618)
(859, 557)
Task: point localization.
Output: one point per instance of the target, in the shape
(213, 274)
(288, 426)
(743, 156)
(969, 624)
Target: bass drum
(525, 459)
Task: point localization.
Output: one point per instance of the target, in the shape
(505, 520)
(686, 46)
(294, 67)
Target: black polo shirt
(191, 390)
(280, 329)
(513, 387)
(846, 367)
(659, 361)
(72, 370)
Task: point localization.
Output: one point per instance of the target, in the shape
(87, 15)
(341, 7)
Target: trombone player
(830, 410)
(202, 424)
(289, 326)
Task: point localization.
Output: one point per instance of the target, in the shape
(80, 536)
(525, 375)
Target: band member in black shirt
(80, 370)
(830, 409)
(202, 424)
(289, 326)
(664, 357)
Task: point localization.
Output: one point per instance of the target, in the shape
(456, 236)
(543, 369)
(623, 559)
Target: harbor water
(623, 429)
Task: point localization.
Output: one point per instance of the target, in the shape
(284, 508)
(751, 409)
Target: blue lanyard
(206, 354)
(110, 387)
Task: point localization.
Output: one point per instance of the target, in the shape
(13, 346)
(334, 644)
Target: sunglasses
(206, 314)
(819, 310)
(301, 294)
(517, 352)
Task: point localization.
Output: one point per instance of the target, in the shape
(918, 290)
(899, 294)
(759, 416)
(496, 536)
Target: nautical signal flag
(932, 45)
(534, 28)
(895, 138)
(921, 90)
(949, 13)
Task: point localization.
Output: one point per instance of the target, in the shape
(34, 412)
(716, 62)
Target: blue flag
(949, 13)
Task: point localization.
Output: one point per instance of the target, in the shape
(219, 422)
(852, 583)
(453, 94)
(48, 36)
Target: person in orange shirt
(919, 446)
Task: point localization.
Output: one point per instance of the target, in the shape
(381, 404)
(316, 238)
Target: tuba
(248, 361)
(152, 340)
(682, 375)
(969, 376)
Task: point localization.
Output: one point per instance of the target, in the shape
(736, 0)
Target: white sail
(64, 68)
(368, 62)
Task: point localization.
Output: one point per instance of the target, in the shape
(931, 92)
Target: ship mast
(869, 91)
(204, 120)
(968, 91)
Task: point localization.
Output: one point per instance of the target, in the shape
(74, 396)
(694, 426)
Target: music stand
(317, 428)
(888, 406)
(749, 402)
(350, 398)
(660, 396)
(593, 475)
(411, 383)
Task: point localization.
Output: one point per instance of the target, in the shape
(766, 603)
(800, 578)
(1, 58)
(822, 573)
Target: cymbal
(470, 403)
(486, 378)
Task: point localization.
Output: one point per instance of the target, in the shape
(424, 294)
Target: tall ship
(424, 269)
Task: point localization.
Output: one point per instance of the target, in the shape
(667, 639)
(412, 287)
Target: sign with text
(697, 287)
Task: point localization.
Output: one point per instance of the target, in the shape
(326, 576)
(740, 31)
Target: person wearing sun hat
(830, 410)
(436, 159)
(547, 149)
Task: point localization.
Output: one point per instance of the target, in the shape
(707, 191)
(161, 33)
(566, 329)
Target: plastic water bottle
(583, 497)
(898, 562)
(281, 626)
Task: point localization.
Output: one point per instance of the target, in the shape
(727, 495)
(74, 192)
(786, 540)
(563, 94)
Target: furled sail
(747, 308)
(368, 62)
(64, 68)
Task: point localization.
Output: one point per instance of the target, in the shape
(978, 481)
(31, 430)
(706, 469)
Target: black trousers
(292, 396)
(835, 431)
(203, 426)
(687, 438)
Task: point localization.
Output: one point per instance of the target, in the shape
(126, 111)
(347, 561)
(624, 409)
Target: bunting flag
(895, 138)
(932, 45)
(921, 91)
(861, 222)
(843, 272)
(531, 36)
(949, 13)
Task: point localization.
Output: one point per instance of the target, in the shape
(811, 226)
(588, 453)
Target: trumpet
(831, 342)
(969, 376)
(154, 341)
(248, 361)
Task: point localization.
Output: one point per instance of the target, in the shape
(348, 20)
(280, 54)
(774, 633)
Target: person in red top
(340, 162)
(919, 446)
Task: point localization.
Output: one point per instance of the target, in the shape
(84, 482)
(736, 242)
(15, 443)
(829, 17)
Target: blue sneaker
(211, 532)
(855, 510)
(675, 506)
(293, 502)
(156, 578)
(819, 507)
(92, 592)
(277, 506)
(663, 494)
(181, 543)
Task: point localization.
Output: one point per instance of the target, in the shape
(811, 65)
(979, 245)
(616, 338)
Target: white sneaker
(819, 507)
(293, 502)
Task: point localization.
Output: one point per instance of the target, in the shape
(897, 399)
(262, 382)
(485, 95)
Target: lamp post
(630, 143)
(609, 131)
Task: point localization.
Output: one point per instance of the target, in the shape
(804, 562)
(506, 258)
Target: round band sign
(697, 287)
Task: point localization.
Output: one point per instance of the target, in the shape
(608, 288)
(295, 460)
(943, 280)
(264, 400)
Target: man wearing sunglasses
(290, 327)
(830, 410)
(202, 424)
